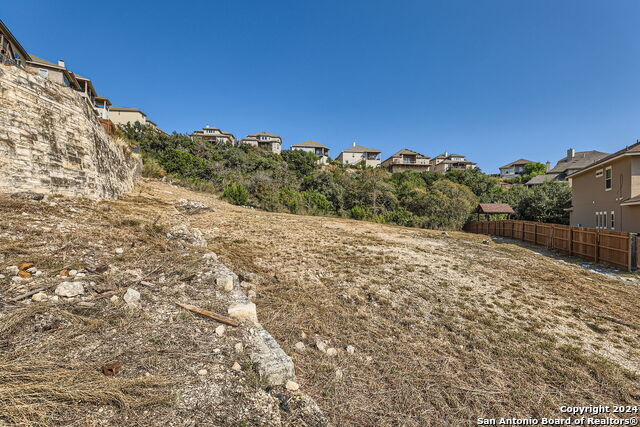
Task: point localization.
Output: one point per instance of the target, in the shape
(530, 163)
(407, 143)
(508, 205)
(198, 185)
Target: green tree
(236, 194)
(533, 169)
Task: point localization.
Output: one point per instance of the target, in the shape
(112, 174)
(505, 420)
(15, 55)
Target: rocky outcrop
(51, 142)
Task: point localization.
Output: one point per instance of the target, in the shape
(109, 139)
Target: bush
(152, 169)
(236, 194)
(316, 203)
(291, 199)
(357, 212)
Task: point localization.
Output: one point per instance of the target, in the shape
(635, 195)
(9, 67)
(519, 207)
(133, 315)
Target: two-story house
(514, 169)
(360, 155)
(213, 134)
(55, 72)
(321, 151)
(124, 115)
(606, 194)
(445, 162)
(405, 160)
(571, 163)
(11, 51)
(265, 140)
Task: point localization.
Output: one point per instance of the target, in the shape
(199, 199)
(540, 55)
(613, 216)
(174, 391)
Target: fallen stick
(207, 313)
(28, 294)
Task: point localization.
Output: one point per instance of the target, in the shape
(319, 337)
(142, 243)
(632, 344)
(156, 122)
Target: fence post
(551, 236)
(535, 234)
(570, 240)
(597, 245)
(633, 252)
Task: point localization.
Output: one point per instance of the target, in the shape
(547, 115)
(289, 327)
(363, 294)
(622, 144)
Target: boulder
(243, 312)
(300, 347)
(186, 234)
(132, 297)
(225, 282)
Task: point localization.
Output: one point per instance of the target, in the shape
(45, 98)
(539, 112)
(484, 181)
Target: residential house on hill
(514, 169)
(359, 154)
(213, 134)
(606, 193)
(102, 106)
(266, 140)
(407, 160)
(321, 151)
(573, 162)
(11, 51)
(124, 115)
(55, 72)
(445, 162)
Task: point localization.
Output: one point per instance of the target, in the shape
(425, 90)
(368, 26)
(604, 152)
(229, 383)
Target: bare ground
(446, 328)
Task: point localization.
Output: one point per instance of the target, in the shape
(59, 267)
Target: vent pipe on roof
(61, 63)
(547, 166)
(354, 143)
(571, 153)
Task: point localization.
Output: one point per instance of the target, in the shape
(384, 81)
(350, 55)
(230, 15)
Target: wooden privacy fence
(616, 248)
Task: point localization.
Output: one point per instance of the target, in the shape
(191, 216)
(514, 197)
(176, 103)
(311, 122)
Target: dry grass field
(446, 327)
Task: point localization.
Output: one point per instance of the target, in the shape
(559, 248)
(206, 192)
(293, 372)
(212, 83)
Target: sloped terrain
(441, 328)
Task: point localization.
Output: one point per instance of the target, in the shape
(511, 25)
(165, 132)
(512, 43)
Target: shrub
(316, 203)
(291, 199)
(152, 169)
(357, 212)
(236, 194)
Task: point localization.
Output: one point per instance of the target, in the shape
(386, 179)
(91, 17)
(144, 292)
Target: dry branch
(207, 313)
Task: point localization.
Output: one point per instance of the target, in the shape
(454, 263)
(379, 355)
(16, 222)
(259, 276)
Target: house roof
(99, 98)
(516, 162)
(361, 149)
(494, 208)
(541, 179)
(131, 109)
(626, 151)
(36, 60)
(580, 160)
(263, 133)
(405, 151)
(21, 50)
(40, 61)
(631, 201)
(250, 138)
(310, 143)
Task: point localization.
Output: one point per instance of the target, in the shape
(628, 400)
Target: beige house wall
(589, 195)
(124, 117)
(53, 75)
(355, 158)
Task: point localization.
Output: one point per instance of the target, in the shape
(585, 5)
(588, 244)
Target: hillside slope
(441, 328)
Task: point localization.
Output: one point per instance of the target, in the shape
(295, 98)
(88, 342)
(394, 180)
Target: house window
(608, 178)
(604, 220)
(613, 220)
(43, 73)
(598, 173)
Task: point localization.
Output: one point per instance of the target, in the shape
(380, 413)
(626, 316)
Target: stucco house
(11, 51)
(213, 134)
(407, 160)
(266, 140)
(124, 115)
(571, 163)
(55, 72)
(359, 154)
(606, 194)
(321, 151)
(514, 169)
(445, 162)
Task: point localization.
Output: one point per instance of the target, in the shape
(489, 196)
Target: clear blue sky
(493, 79)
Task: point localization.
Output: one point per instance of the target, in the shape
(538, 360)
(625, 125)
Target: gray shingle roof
(516, 162)
(361, 149)
(310, 143)
(264, 133)
(581, 160)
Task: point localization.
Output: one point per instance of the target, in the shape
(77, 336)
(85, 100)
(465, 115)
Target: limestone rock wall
(52, 143)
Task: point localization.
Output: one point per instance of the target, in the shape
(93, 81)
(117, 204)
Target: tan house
(445, 162)
(55, 72)
(319, 150)
(514, 169)
(213, 134)
(571, 163)
(11, 51)
(405, 160)
(360, 155)
(266, 140)
(606, 194)
(124, 115)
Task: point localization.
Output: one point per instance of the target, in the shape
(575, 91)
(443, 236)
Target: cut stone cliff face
(51, 142)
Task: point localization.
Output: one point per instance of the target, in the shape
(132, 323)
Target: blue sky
(493, 79)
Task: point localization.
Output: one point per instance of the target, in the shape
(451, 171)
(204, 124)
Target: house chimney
(571, 153)
(354, 143)
(446, 154)
(547, 166)
(61, 63)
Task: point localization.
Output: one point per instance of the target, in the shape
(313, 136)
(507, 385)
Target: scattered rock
(187, 234)
(321, 346)
(351, 349)
(64, 272)
(32, 270)
(203, 372)
(86, 304)
(73, 272)
(191, 206)
(119, 251)
(292, 385)
(236, 367)
(132, 297)
(114, 299)
(70, 289)
(444, 233)
(24, 274)
(210, 256)
(54, 298)
(225, 282)
(25, 266)
(13, 269)
(27, 195)
(485, 242)
(251, 294)
(239, 348)
(2, 276)
(220, 330)
(243, 311)
(40, 296)
(303, 335)
(339, 374)
(300, 347)
(111, 369)
(332, 352)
